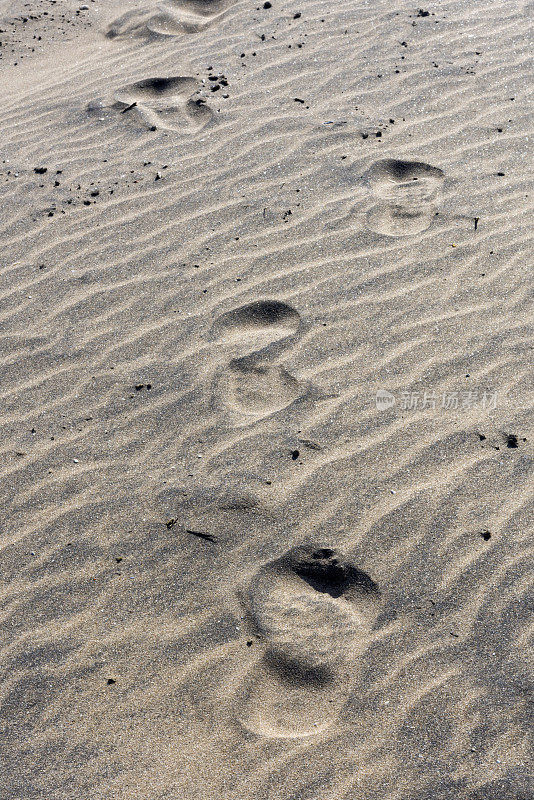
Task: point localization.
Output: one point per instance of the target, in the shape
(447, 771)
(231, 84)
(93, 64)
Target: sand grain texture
(266, 400)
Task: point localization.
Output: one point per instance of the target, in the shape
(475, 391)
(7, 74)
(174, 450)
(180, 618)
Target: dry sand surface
(266, 400)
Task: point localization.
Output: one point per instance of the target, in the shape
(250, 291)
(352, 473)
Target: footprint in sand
(252, 385)
(315, 612)
(408, 193)
(257, 389)
(267, 319)
(164, 103)
(171, 19)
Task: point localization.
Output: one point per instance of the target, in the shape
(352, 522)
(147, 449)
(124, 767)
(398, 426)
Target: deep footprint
(315, 612)
(167, 103)
(257, 389)
(408, 194)
(271, 318)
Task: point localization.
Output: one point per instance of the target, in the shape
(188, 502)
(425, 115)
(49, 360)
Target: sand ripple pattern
(144, 404)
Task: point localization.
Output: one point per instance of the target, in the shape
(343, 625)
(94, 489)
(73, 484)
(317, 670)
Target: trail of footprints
(171, 103)
(408, 195)
(252, 384)
(315, 612)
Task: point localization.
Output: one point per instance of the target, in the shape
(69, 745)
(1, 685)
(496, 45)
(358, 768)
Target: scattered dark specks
(267, 4)
(40, 170)
(486, 535)
(298, 100)
(249, 643)
(422, 13)
(171, 523)
(118, 559)
(500, 174)
(111, 681)
(481, 437)
(511, 440)
(298, 15)
(295, 454)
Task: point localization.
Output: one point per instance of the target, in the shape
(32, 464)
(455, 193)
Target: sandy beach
(266, 346)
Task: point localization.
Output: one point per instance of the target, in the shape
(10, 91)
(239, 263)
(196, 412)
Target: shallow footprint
(166, 103)
(188, 16)
(147, 24)
(281, 701)
(132, 23)
(315, 611)
(408, 192)
(257, 389)
(202, 8)
(397, 220)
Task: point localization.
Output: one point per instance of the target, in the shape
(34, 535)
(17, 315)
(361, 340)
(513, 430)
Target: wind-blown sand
(266, 400)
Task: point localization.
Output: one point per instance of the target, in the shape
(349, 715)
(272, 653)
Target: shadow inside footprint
(315, 612)
(270, 318)
(168, 103)
(324, 571)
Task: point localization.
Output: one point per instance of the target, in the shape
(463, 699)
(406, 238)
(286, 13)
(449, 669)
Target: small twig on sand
(128, 108)
(207, 536)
